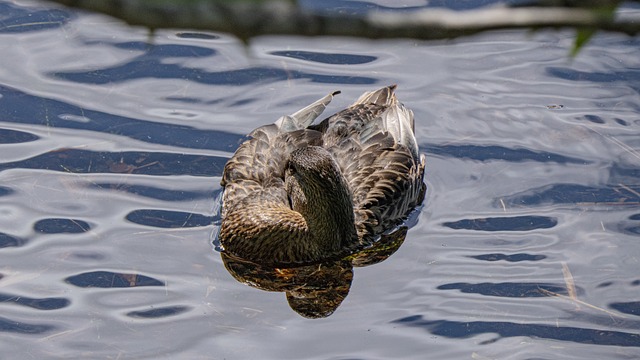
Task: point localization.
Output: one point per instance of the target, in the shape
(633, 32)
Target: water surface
(112, 144)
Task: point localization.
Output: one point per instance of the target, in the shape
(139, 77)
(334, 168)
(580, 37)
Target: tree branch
(247, 19)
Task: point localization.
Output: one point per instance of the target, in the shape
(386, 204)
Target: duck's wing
(302, 118)
(374, 145)
(259, 162)
(397, 119)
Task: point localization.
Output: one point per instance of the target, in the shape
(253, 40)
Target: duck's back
(258, 164)
(372, 141)
(374, 144)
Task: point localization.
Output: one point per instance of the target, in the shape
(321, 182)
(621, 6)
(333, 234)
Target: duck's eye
(290, 167)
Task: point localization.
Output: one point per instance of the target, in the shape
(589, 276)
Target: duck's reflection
(314, 291)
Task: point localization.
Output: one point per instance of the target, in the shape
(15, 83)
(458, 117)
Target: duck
(298, 193)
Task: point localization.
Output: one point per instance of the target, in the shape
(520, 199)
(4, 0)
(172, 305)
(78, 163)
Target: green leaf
(582, 37)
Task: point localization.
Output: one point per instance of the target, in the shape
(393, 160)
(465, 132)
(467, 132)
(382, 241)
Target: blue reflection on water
(149, 163)
(159, 312)
(458, 329)
(108, 279)
(39, 304)
(19, 327)
(22, 108)
(17, 19)
(58, 226)
(511, 223)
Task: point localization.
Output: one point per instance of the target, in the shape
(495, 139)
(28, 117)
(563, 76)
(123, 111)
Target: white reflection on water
(112, 147)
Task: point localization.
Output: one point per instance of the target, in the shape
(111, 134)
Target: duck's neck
(326, 206)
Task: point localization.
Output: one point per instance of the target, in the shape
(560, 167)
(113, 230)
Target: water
(112, 143)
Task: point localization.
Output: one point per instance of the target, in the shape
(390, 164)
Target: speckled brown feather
(373, 145)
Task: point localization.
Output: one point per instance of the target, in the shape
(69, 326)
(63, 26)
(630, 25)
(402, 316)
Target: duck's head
(316, 224)
(318, 191)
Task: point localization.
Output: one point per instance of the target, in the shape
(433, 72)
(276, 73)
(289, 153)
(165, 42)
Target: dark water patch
(509, 290)
(512, 223)
(159, 51)
(604, 284)
(629, 229)
(17, 327)
(629, 77)
(635, 283)
(22, 108)
(184, 99)
(7, 240)
(154, 192)
(242, 102)
(16, 137)
(40, 304)
(159, 312)
(157, 69)
(78, 161)
(576, 194)
(60, 226)
(18, 19)
(622, 174)
(4, 191)
(631, 308)
(509, 258)
(496, 152)
(108, 279)
(342, 8)
(594, 119)
(621, 122)
(326, 58)
(94, 256)
(168, 219)
(461, 329)
(194, 100)
(197, 35)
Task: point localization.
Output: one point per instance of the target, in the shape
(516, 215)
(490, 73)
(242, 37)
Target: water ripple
(159, 312)
(108, 279)
(148, 163)
(518, 290)
(34, 303)
(511, 223)
(18, 327)
(496, 152)
(7, 240)
(338, 59)
(457, 329)
(22, 108)
(509, 258)
(151, 68)
(60, 226)
(18, 19)
(168, 219)
(14, 137)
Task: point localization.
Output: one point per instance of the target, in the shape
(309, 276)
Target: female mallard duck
(296, 193)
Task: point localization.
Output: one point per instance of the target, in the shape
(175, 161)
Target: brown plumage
(296, 193)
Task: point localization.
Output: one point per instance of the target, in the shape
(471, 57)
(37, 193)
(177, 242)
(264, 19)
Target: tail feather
(302, 118)
(384, 96)
(397, 120)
